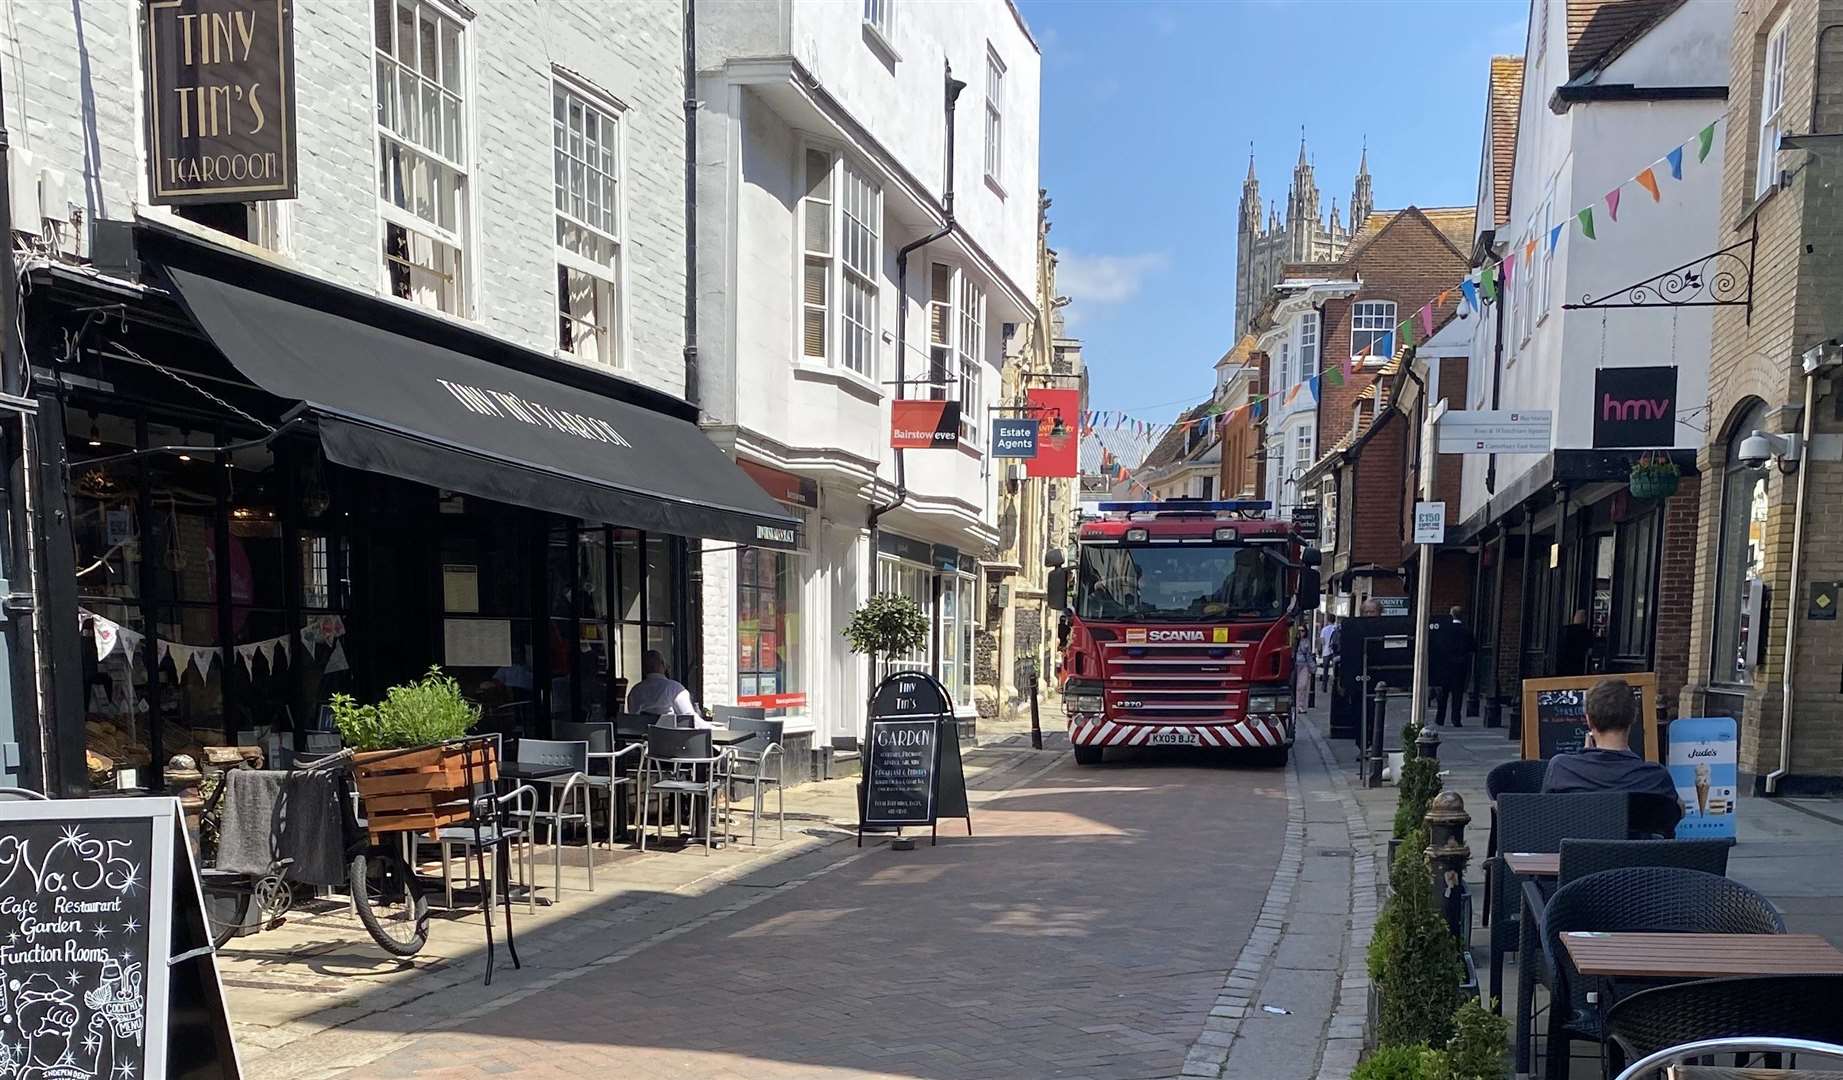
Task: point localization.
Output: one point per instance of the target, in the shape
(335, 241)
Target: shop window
(958, 624)
(768, 671)
(419, 58)
(915, 582)
(1632, 614)
(586, 152)
(1740, 560)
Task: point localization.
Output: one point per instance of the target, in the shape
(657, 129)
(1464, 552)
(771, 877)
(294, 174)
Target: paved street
(1087, 930)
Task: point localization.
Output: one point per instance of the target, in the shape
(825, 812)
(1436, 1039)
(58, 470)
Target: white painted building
(512, 93)
(821, 152)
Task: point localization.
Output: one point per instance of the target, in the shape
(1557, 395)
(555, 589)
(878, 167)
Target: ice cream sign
(1703, 765)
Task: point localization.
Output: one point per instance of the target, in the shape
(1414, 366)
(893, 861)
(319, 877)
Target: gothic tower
(1247, 234)
(1302, 209)
(1361, 202)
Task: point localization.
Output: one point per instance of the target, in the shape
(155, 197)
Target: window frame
(789, 570)
(1772, 90)
(1548, 261)
(613, 111)
(1308, 321)
(880, 23)
(1382, 331)
(464, 238)
(840, 276)
(1733, 550)
(995, 71)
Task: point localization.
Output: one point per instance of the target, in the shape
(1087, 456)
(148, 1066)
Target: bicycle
(383, 886)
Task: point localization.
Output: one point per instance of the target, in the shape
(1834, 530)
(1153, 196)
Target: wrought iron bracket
(1722, 278)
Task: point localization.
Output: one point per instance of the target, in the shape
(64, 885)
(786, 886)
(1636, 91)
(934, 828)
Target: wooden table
(1533, 864)
(1700, 956)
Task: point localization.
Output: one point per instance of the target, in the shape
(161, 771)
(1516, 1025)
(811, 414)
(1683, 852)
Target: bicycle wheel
(389, 901)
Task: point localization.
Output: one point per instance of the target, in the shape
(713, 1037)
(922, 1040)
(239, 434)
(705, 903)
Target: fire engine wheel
(1087, 755)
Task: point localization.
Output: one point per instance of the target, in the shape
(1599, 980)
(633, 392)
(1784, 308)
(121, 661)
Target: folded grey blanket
(271, 815)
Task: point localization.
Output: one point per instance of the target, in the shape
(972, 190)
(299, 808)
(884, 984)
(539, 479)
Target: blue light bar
(1186, 506)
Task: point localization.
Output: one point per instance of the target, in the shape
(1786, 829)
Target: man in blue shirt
(1607, 762)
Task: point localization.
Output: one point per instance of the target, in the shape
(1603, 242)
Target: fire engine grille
(1173, 682)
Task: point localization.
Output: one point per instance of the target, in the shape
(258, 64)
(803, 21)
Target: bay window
(1305, 331)
(956, 340)
(842, 257)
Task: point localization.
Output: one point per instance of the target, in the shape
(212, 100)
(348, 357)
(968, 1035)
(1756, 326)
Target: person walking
(1327, 651)
(1450, 666)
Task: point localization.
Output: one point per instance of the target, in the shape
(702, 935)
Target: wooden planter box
(419, 790)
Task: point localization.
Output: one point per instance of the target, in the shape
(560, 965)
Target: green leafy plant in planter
(1419, 783)
(1654, 476)
(1480, 1048)
(421, 713)
(887, 624)
(1403, 1063)
(1413, 959)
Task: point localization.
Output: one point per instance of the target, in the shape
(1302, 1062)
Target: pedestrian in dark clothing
(1607, 762)
(1450, 665)
(1576, 644)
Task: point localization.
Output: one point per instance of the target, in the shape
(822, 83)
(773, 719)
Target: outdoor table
(1533, 864)
(1699, 956)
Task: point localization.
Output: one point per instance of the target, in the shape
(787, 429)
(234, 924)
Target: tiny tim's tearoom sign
(220, 100)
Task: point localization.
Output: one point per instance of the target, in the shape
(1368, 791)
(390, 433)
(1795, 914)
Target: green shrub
(1403, 1063)
(1413, 957)
(887, 624)
(1410, 741)
(1480, 1047)
(1418, 784)
(429, 710)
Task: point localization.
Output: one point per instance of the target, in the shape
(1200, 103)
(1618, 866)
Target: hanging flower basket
(1654, 476)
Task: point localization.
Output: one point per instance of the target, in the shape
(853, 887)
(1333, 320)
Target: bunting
(108, 636)
(1469, 289)
(1586, 219)
(1647, 179)
(1612, 204)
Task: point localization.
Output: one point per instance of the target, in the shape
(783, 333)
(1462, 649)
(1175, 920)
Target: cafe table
(1532, 864)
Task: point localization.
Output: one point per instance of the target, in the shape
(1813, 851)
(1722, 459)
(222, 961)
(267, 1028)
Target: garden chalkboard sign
(911, 756)
(1555, 714)
(106, 969)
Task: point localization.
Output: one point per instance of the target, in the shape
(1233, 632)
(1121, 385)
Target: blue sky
(1148, 112)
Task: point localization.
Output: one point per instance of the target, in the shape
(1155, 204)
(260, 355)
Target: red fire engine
(1176, 618)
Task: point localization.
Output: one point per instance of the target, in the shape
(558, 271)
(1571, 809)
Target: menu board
(1555, 714)
(1704, 766)
(89, 983)
(911, 754)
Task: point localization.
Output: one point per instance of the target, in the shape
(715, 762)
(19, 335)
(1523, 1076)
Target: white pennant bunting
(106, 634)
(247, 654)
(205, 656)
(337, 661)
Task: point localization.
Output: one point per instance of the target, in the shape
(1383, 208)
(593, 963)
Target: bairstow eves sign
(1635, 406)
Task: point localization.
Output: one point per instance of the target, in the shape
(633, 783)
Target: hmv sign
(1635, 406)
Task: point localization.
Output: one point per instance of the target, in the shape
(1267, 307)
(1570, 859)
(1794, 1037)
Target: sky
(1149, 107)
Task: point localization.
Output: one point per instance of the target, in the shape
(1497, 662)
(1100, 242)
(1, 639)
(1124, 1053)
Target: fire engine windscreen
(1179, 584)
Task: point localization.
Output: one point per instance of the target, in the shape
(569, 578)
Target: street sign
(1429, 522)
(1555, 714)
(1496, 431)
(1704, 767)
(1305, 521)
(1014, 437)
(109, 970)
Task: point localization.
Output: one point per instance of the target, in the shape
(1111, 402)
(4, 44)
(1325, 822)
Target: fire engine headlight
(1082, 698)
(1278, 702)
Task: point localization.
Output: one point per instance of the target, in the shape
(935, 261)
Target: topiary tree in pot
(885, 625)
(1413, 958)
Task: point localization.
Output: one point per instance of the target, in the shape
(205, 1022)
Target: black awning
(394, 404)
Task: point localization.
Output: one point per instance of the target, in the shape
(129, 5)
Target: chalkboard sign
(911, 756)
(1555, 714)
(102, 946)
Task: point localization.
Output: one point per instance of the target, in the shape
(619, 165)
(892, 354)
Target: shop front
(277, 490)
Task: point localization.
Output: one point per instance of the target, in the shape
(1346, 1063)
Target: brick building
(1781, 186)
(1238, 383)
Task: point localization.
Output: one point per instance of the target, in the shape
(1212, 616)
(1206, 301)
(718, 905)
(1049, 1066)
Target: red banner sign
(925, 425)
(774, 701)
(1058, 417)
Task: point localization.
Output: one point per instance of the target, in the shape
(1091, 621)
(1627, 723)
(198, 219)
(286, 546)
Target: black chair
(1654, 816)
(679, 763)
(1538, 823)
(721, 715)
(573, 758)
(1520, 777)
(1654, 899)
(1777, 1006)
(605, 773)
(1582, 857)
(760, 761)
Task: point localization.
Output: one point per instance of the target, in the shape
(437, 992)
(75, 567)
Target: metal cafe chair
(604, 772)
(721, 715)
(760, 760)
(1665, 1061)
(573, 758)
(679, 763)
(19, 794)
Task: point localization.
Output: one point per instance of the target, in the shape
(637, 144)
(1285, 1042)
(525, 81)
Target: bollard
(1427, 745)
(1447, 856)
(1036, 723)
(1378, 739)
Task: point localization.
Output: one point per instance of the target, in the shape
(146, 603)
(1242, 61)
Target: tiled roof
(1453, 222)
(1240, 354)
(1170, 448)
(1506, 107)
(1600, 30)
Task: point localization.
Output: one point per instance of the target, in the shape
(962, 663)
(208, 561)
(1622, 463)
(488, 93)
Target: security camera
(1762, 447)
(1755, 451)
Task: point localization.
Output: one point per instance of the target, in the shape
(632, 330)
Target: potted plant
(1414, 964)
(885, 625)
(412, 767)
(1654, 476)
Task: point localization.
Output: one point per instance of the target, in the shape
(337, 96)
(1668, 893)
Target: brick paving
(1085, 931)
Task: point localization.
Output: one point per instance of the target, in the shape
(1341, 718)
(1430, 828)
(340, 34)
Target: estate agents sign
(220, 100)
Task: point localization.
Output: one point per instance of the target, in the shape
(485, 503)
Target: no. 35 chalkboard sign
(96, 899)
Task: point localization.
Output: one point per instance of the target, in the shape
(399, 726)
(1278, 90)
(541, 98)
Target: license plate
(1175, 738)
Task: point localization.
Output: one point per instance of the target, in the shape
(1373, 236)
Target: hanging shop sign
(1014, 437)
(1306, 522)
(109, 970)
(784, 486)
(924, 425)
(220, 100)
(1495, 431)
(1635, 406)
(1555, 714)
(1704, 767)
(1058, 414)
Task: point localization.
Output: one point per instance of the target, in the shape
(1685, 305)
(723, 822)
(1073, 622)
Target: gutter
(1570, 94)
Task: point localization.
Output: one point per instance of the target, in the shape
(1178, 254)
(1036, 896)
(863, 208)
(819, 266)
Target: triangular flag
(247, 654)
(1555, 236)
(1291, 394)
(131, 642)
(164, 648)
(1335, 375)
(1586, 220)
(1529, 249)
(1314, 385)
(1407, 336)
(1704, 140)
(1675, 157)
(285, 646)
(107, 635)
(1426, 317)
(1388, 344)
(336, 662)
(1487, 281)
(1648, 180)
(1612, 203)
(205, 658)
(1509, 268)
(1445, 295)
(1469, 289)
(181, 655)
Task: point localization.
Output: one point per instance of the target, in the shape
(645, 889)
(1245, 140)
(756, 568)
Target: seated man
(659, 694)
(1607, 762)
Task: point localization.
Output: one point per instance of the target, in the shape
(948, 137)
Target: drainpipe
(689, 30)
(952, 89)
(1497, 374)
(1791, 603)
